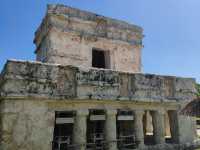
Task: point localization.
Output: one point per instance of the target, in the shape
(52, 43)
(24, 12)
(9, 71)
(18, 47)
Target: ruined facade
(68, 36)
(86, 91)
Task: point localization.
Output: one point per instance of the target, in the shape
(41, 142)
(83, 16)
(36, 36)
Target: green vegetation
(198, 90)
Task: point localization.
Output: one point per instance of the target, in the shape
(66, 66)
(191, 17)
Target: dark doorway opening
(95, 130)
(100, 59)
(125, 130)
(63, 130)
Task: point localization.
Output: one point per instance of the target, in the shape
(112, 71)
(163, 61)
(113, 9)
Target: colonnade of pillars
(80, 128)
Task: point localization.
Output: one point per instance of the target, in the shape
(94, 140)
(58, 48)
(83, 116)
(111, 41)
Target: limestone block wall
(67, 36)
(63, 82)
(26, 125)
(31, 92)
(187, 129)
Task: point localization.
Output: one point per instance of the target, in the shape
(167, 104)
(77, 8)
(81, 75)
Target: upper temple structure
(86, 91)
(69, 36)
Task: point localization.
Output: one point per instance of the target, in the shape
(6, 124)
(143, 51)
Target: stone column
(49, 126)
(173, 121)
(138, 127)
(167, 125)
(158, 126)
(80, 129)
(110, 129)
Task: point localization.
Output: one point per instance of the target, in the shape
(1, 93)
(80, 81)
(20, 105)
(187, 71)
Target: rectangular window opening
(100, 59)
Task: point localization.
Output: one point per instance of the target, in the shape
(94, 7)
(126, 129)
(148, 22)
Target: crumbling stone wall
(31, 92)
(62, 82)
(67, 36)
(26, 125)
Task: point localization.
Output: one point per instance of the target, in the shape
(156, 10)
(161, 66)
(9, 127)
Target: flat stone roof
(89, 16)
(54, 81)
(59, 16)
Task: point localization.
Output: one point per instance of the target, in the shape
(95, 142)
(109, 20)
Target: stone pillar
(149, 127)
(167, 125)
(138, 127)
(80, 129)
(49, 126)
(110, 129)
(173, 121)
(159, 126)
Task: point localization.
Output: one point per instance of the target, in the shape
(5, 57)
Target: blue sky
(171, 28)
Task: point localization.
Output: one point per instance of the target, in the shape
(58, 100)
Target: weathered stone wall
(187, 129)
(69, 35)
(26, 125)
(62, 82)
(31, 92)
(35, 79)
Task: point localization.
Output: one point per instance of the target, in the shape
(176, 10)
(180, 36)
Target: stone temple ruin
(86, 91)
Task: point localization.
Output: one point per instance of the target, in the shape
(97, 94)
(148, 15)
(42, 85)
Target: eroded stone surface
(29, 126)
(63, 82)
(67, 36)
(31, 92)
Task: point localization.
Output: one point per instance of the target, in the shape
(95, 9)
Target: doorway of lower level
(95, 130)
